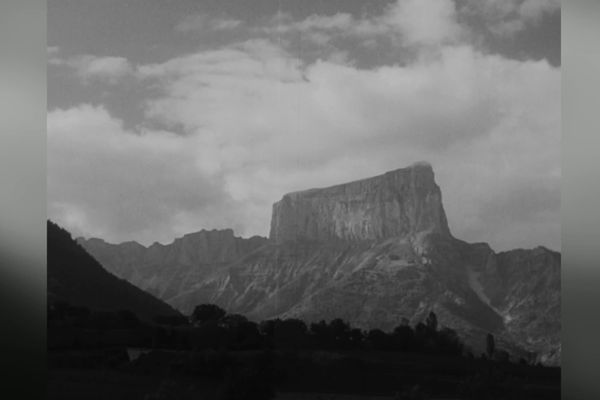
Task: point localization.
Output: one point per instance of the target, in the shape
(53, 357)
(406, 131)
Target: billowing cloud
(535, 9)
(119, 184)
(410, 22)
(424, 22)
(508, 17)
(89, 67)
(198, 22)
(283, 23)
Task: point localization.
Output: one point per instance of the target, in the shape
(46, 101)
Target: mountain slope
(168, 270)
(76, 277)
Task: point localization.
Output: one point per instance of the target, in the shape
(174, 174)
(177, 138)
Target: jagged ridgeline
(371, 252)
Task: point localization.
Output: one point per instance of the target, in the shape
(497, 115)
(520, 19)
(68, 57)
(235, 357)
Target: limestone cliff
(398, 203)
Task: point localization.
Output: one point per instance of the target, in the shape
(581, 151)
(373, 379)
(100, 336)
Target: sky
(166, 117)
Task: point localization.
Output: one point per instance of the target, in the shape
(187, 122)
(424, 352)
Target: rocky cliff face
(371, 252)
(398, 203)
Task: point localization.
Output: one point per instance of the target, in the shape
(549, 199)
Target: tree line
(215, 328)
(211, 327)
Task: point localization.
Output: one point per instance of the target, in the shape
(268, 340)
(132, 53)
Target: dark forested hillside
(77, 278)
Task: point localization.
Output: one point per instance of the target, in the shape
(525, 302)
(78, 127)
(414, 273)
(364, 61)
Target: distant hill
(76, 277)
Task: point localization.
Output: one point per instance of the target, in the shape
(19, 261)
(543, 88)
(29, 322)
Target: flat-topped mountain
(372, 252)
(398, 203)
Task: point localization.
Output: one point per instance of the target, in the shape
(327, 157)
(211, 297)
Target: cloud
(410, 22)
(525, 208)
(94, 68)
(106, 181)
(508, 17)
(52, 50)
(420, 22)
(52, 54)
(424, 22)
(282, 23)
(535, 9)
(199, 22)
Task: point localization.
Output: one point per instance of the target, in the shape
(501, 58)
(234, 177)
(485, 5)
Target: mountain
(76, 277)
(169, 270)
(395, 204)
(372, 252)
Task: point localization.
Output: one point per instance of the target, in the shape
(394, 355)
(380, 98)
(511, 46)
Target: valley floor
(294, 376)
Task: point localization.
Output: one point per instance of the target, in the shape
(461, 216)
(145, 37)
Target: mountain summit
(398, 203)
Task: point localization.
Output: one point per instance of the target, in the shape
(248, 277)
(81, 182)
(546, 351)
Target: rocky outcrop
(398, 203)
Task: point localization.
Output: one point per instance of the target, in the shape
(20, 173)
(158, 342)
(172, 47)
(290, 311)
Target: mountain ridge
(156, 243)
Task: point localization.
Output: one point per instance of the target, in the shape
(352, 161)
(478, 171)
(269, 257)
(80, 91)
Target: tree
(206, 312)
(208, 335)
(431, 322)
(449, 342)
(502, 356)
(290, 333)
(490, 345)
(247, 336)
(357, 338)
(321, 335)
(379, 340)
(340, 331)
(267, 331)
(233, 321)
(404, 337)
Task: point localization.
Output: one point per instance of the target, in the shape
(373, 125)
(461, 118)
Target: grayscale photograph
(316, 199)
